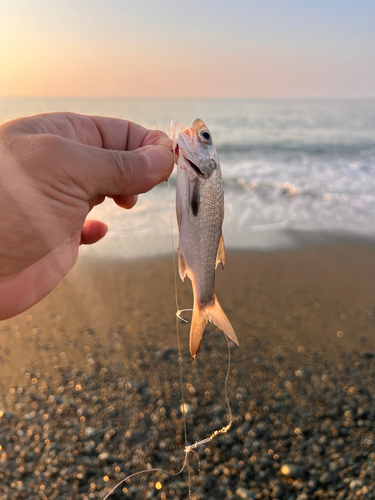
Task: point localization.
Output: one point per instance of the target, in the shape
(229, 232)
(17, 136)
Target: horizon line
(78, 96)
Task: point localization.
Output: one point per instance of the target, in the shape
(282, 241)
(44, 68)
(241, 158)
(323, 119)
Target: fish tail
(198, 324)
(211, 312)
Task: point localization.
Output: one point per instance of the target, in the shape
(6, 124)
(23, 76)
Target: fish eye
(206, 135)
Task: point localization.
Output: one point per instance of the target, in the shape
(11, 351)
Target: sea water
(287, 165)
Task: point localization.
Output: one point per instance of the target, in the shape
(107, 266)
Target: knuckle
(46, 149)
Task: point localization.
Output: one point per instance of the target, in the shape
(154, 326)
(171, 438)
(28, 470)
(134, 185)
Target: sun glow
(121, 48)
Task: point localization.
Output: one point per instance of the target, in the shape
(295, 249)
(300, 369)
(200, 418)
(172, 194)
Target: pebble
(326, 478)
(210, 482)
(90, 432)
(355, 484)
(244, 493)
(368, 354)
(7, 415)
(293, 471)
(186, 408)
(135, 385)
(277, 491)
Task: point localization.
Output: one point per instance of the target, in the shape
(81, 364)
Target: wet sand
(286, 301)
(301, 384)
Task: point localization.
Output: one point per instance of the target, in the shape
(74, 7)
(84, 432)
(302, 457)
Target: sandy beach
(91, 393)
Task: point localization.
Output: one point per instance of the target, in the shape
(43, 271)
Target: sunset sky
(189, 48)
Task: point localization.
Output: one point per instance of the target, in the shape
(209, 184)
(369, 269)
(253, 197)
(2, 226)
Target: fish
(200, 215)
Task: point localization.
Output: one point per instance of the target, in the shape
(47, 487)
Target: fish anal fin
(201, 315)
(220, 256)
(182, 267)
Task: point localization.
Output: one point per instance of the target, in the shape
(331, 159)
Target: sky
(188, 48)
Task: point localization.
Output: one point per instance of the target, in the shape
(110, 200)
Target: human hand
(54, 168)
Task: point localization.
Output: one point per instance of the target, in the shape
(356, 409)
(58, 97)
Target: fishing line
(226, 428)
(184, 412)
(159, 469)
(188, 448)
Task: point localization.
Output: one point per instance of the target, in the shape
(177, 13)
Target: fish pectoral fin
(214, 313)
(182, 267)
(220, 256)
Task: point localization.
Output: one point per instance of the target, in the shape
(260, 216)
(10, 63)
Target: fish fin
(214, 313)
(198, 324)
(182, 267)
(179, 214)
(195, 198)
(220, 256)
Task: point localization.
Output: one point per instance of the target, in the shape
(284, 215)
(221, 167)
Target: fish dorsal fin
(220, 256)
(182, 267)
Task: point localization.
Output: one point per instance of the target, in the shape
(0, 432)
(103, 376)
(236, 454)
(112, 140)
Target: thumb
(112, 172)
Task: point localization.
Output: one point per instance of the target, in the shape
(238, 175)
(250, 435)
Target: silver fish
(200, 213)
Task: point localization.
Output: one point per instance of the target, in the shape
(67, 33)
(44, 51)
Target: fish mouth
(194, 167)
(177, 152)
(202, 166)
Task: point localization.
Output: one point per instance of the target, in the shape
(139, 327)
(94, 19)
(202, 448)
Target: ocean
(288, 166)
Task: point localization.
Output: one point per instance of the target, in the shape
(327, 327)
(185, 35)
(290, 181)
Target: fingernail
(160, 160)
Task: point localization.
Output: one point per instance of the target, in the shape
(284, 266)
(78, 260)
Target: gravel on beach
(298, 432)
(90, 389)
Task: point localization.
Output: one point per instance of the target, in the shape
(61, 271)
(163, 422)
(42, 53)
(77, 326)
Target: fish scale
(205, 235)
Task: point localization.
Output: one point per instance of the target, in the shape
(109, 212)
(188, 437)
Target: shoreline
(131, 247)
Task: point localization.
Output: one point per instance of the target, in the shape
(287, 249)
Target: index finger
(128, 136)
(97, 131)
